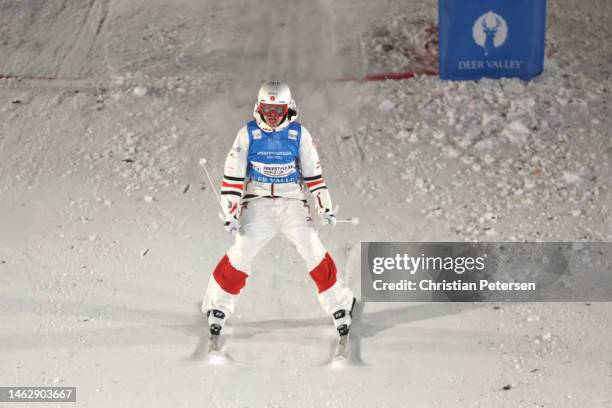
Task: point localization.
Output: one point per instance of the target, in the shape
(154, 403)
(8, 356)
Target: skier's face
(273, 114)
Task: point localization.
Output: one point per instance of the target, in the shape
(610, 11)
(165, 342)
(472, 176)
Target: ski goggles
(268, 108)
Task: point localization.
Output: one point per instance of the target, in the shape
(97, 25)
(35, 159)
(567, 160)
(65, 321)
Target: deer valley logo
(490, 31)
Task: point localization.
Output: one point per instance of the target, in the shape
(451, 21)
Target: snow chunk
(490, 232)
(529, 184)
(488, 216)
(451, 118)
(516, 132)
(571, 178)
(488, 117)
(402, 134)
(386, 106)
(141, 91)
(451, 152)
(438, 134)
(488, 159)
(523, 105)
(483, 144)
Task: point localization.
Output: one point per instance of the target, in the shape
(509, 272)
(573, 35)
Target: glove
(230, 215)
(327, 217)
(231, 224)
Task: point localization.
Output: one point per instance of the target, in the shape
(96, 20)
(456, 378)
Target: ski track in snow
(109, 231)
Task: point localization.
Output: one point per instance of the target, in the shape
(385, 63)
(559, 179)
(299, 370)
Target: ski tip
(215, 357)
(339, 361)
(341, 356)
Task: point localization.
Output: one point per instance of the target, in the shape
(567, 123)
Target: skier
(271, 161)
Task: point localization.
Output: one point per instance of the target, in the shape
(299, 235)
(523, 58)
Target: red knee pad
(229, 278)
(324, 275)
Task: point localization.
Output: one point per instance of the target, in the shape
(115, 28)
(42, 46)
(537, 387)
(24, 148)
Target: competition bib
(273, 156)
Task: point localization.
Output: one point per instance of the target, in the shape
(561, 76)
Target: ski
(342, 351)
(214, 353)
(208, 349)
(214, 345)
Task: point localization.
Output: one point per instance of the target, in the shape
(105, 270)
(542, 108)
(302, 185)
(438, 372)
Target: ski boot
(216, 320)
(342, 320)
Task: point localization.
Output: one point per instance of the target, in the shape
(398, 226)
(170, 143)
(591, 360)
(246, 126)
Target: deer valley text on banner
(491, 38)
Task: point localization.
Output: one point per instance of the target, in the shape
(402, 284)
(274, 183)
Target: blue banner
(491, 38)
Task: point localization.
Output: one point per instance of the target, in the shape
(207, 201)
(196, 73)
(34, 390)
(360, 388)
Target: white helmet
(275, 96)
(274, 92)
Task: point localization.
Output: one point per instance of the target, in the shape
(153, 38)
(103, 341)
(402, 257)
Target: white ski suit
(260, 157)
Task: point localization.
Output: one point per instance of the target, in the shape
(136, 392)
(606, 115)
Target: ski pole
(214, 190)
(212, 185)
(354, 220)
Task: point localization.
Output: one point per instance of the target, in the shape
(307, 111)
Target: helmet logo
(272, 97)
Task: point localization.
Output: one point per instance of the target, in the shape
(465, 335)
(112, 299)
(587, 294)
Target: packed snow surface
(109, 229)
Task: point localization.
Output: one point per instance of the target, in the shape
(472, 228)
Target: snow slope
(108, 230)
